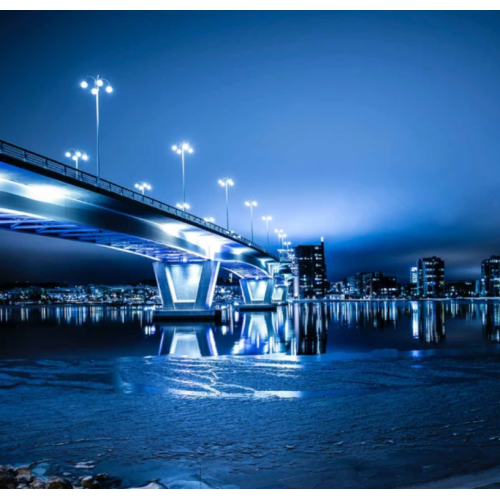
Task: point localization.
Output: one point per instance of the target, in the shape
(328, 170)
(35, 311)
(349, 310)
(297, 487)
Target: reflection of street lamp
(142, 186)
(281, 236)
(181, 149)
(266, 219)
(251, 204)
(75, 155)
(209, 219)
(183, 206)
(226, 182)
(98, 83)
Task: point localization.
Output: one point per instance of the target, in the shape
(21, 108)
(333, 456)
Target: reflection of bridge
(48, 198)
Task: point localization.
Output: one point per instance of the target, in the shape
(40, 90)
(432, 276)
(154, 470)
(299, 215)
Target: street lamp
(183, 206)
(142, 187)
(96, 89)
(281, 236)
(225, 182)
(266, 219)
(287, 244)
(251, 204)
(209, 219)
(75, 155)
(182, 149)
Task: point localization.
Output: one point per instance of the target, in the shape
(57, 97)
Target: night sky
(379, 131)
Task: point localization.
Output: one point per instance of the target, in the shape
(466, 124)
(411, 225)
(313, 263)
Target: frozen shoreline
(261, 422)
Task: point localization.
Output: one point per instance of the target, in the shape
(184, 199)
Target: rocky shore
(26, 477)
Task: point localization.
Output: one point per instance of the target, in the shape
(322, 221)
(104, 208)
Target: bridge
(44, 197)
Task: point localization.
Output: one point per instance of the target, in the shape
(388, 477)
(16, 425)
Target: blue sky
(376, 130)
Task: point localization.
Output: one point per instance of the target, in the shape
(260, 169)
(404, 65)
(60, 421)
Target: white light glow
(109, 89)
(68, 155)
(85, 157)
(100, 83)
(94, 91)
(45, 193)
(84, 85)
(174, 148)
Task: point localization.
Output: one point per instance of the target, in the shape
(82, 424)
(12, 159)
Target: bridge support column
(187, 288)
(280, 294)
(257, 293)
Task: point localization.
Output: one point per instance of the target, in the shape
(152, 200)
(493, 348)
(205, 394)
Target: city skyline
(404, 154)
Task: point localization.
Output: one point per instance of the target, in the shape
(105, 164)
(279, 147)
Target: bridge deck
(46, 197)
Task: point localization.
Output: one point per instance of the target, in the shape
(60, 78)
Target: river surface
(350, 394)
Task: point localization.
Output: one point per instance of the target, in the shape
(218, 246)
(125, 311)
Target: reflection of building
(430, 281)
(490, 276)
(491, 322)
(310, 261)
(429, 321)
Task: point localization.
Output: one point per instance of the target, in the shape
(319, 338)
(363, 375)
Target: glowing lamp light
(251, 203)
(85, 157)
(68, 155)
(109, 89)
(84, 84)
(100, 83)
(94, 91)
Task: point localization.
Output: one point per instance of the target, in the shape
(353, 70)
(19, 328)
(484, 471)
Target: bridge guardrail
(71, 172)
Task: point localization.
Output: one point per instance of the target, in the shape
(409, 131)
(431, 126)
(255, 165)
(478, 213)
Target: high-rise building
(430, 279)
(414, 275)
(311, 267)
(490, 276)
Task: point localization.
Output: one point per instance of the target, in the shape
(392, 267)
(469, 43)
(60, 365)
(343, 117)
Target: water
(349, 394)
(335, 329)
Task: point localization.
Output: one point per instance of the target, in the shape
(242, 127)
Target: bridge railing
(63, 169)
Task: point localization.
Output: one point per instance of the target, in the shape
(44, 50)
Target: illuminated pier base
(257, 294)
(280, 294)
(186, 290)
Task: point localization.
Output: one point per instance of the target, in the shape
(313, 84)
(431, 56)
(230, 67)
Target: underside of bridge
(41, 197)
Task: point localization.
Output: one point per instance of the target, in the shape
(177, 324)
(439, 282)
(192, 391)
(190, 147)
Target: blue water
(338, 329)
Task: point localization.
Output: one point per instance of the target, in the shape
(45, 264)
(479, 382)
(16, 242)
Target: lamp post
(281, 236)
(76, 155)
(182, 149)
(225, 182)
(183, 206)
(251, 204)
(287, 245)
(143, 186)
(266, 219)
(98, 83)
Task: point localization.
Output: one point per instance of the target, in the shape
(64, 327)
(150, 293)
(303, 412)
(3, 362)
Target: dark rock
(59, 483)
(87, 481)
(7, 480)
(24, 479)
(38, 484)
(102, 477)
(94, 486)
(23, 471)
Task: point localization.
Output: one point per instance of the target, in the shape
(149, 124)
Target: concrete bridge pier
(257, 293)
(187, 290)
(280, 294)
